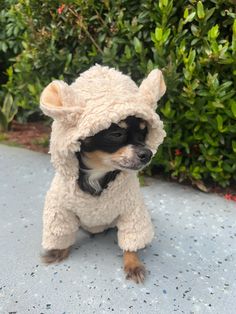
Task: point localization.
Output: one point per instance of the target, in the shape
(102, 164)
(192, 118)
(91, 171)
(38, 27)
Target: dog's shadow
(87, 242)
(100, 246)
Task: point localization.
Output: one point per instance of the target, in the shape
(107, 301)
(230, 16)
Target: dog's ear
(153, 87)
(59, 101)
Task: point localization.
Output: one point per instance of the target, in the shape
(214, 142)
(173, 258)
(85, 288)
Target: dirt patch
(33, 135)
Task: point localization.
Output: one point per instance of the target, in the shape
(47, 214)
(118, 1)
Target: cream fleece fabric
(98, 97)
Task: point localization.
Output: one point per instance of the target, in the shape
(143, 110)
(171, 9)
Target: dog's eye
(117, 134)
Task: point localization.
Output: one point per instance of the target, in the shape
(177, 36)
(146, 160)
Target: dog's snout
(144, 155)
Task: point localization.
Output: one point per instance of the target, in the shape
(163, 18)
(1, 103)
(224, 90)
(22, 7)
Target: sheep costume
(98, 97)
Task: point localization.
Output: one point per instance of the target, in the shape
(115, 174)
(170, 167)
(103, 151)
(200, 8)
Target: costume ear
(58, 100)
(153, 87)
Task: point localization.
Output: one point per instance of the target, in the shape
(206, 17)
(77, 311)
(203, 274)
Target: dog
(102, 157)
(105, 129)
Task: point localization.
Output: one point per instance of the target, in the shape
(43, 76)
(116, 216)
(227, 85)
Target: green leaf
(209, 13)
(234, 27)
(227, 167)
(185, 13)
(233, 107)
(190, 115)
(200, 10)
(209, 139)
(153, 37)
(195, 30)
(234, 146)
(166, 35)
(200, 185)
(191, 57)
(3, 122)
(190, 17)
(166, 110)
(137, 45)
(32, 89)
(158, 33)
(234, 37)
(4, 47)
(165, 2)
(68, 60)
(8, 101)
(211, 167)
(213, 33)
(150, 66)
(219, 122)
(10, 72)
(127, 52)
(9, 109)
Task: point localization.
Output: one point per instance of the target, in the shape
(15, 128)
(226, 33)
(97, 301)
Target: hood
(97, 98)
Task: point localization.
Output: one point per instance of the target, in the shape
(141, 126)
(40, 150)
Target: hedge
(193, 42)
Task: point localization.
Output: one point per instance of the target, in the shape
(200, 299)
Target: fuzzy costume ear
(59, 101)
(153, 87)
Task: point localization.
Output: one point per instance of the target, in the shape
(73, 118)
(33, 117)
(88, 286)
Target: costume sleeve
(135, 229)
(59, 222)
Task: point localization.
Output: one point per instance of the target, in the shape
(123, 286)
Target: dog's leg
(59, 227)
(133, 267)
(55, 256)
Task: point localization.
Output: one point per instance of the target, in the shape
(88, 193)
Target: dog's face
(120, 147)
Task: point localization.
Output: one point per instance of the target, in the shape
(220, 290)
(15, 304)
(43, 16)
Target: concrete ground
(191, 261)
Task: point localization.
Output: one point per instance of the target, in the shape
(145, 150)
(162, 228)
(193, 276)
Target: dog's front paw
(133, 267)
(55, 256)
(135, 273)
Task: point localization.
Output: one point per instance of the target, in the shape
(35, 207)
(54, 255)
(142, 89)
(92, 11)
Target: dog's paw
(135, 273)
(55, 256)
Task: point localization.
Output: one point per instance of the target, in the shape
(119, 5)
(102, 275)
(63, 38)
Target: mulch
(33, 135)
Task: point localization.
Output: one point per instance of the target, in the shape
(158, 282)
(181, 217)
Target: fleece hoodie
(97, 98)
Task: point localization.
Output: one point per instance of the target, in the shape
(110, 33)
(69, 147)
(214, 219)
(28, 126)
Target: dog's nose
(144, 155)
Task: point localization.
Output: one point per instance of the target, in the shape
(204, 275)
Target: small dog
(102, 157)
(105, 129)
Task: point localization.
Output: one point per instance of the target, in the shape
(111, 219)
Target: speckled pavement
(191, 261)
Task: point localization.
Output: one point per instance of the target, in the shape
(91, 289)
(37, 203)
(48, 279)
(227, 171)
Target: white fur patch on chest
(93, 180)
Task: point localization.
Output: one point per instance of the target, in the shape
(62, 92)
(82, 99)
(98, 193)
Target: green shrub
(193, 42)
(12, 29)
